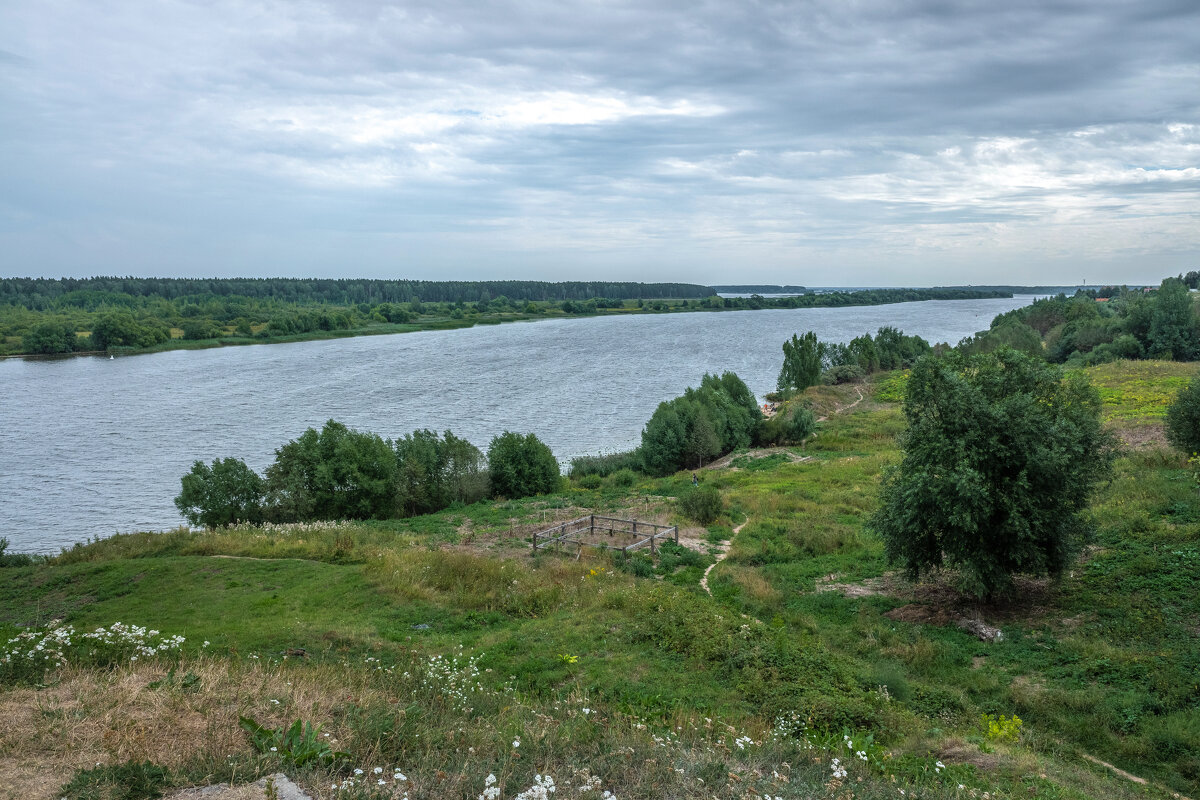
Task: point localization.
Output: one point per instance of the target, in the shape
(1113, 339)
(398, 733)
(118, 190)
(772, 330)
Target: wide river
(92, 446)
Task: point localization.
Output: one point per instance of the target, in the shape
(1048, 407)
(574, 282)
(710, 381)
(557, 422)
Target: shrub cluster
(1183, 419)
(1097, 326)
(702, 504)
(808, 361)
(339, 473)
(718, 417)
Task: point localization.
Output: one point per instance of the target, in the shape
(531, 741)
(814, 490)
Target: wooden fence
(584, 532)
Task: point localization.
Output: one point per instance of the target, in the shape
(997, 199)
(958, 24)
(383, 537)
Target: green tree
(1000, 458)
(1183, 419)
(520, 466)
(433, 472)
(665, 437)
(1005, 332)
(194, 329)
(121, 329)
(792, 424)
(718, 417)
(49, 338)
(226, 493)
(336, 473)
(702, 442)
(1173, 330)
(803, 358)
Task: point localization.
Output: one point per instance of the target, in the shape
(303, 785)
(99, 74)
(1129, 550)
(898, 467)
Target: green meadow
(440, 648)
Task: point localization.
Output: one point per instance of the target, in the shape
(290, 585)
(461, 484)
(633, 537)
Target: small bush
(623, 478)
(1183, 419)
(298, 745)
(638, 564)
(14, 559)
(129, 781)
(672, 556)
(603, 465)
(891, 389)
(794, 423)
(843, 373)
(591, 481)
(891, 675)
(702, 504)
(1002, 729)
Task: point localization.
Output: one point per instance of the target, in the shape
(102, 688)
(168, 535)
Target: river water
(90, 446)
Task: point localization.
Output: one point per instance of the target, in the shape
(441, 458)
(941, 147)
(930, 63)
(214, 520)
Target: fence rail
(573, 533)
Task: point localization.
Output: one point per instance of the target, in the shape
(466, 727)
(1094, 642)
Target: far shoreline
(445, 323)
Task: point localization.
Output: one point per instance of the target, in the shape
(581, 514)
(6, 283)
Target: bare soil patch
(725, 462)
(959, 752)
(867, 588)
(1143, 436)
(936, 600)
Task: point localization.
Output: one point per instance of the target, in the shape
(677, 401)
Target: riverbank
(126, 429)
(134, 325)
(436, 647)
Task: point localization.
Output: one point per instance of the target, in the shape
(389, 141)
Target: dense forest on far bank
(1096, 326)
(60, 316)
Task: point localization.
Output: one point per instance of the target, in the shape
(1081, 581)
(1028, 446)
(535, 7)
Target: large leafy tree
(718, 417)
(51, 337)
(334, 473)
(1000, 458)
(226, 493)
(1173, 326)
(521, 465)
(803, 359)
(432, 472)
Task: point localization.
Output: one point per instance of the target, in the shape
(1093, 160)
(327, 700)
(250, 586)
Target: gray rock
(284, 788)
(981, 631)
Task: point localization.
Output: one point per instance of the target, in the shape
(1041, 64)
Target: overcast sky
(845, 142)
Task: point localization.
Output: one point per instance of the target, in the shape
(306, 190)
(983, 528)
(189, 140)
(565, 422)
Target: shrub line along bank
(148, 315)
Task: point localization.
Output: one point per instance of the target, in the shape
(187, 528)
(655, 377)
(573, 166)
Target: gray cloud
(876, 142)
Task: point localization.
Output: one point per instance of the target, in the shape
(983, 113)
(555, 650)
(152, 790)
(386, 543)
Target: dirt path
(725, 462)
(844, 409)
(720, 557)
(763, 452)
(1127, 776)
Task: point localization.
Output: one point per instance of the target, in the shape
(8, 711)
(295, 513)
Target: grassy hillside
(438, 649)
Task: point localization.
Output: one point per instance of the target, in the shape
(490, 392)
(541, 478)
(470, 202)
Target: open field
(437, 646)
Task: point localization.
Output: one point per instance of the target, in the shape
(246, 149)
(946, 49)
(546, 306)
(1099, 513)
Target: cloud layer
(821, 143)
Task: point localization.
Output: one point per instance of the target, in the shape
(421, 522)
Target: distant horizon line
(786, 288)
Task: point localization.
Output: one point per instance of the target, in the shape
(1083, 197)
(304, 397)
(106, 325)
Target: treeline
(42, 294)
(141, 323)
(339, 473)
(47, 317)
(807, 361)
(860, 297)
(759, 288)
(1100, 325)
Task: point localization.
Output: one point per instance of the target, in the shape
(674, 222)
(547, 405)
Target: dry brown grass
(103, 716)
(753, 585)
